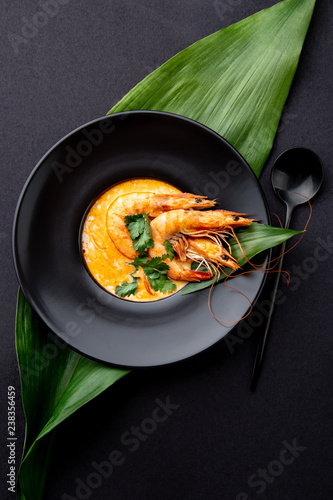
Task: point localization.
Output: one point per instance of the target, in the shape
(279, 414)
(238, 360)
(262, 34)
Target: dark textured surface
(73, 70)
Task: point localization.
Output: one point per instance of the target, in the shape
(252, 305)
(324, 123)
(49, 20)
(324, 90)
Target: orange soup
(105, 263)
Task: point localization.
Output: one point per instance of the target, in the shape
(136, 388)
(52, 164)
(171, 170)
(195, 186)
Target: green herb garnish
(125, 289)
(169, 249)
(162, 283)
(155, 269)
(155, 264)
(139, 228)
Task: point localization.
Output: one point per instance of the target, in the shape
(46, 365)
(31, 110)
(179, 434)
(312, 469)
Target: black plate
(47, 226)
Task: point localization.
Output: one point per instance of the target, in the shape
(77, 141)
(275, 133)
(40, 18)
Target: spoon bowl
(297, 170)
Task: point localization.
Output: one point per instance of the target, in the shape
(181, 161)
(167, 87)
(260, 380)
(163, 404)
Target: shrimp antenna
(232, 288)
(256, 267)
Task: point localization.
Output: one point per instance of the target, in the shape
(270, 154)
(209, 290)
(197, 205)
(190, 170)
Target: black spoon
(296, 170)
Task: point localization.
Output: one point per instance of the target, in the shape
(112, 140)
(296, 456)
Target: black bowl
(49, 215)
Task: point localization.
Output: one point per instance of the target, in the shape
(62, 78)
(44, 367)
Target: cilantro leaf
(143, 242)
(157, 263)
(135, 224)
(139, 228)
(151, 273)
(155, 269)
(141, 260)
(126, 288)
(162, 284)
(169, 249)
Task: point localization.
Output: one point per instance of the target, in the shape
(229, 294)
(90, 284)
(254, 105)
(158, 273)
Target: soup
(106, 264)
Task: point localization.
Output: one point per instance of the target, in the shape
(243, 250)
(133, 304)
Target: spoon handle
(263, 340)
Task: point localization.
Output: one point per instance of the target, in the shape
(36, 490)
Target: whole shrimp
(207, 250)
(173, 225)
(145, 203)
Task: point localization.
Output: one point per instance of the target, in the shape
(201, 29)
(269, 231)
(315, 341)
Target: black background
(72, 71)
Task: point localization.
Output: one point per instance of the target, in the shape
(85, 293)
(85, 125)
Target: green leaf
(253, 239)
(162, 284)
(258, 237)
(55, 382)
(169, 249)
(155, 269)
(141, 260)
(135, 227)
(143, 242)
(126, 289)
(139, 228)
(151, 273)
(157, 264)
(235, 81)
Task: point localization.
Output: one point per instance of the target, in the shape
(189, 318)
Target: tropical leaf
(253, 240)
(235, 81)
(55, 382)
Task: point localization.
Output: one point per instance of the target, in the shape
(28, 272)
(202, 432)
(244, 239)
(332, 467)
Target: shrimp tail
(198, 275)
(190, 275)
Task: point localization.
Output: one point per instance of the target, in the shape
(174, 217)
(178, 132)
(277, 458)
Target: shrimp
(210, 252)
(145, 203)
(209, 247)
(176, 223)
(194, 223)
